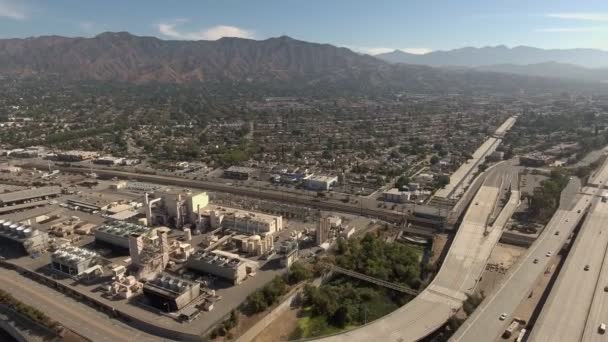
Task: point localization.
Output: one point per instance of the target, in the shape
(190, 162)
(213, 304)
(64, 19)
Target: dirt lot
(502, 258)
(280, 329)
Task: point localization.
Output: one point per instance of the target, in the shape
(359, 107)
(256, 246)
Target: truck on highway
(521, 335)
(512, 328)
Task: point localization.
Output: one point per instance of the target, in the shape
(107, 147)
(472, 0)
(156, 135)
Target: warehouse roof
(29, 194)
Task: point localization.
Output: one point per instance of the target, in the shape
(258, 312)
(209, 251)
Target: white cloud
(169, 29)
(378, 50)
(580, 16)
(8, 9)
(570, 29)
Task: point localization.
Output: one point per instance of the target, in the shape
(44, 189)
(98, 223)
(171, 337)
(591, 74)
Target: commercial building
(535, 160)
(396, 196)
(225, 265)
(117, 233)
(74, 261)
(29, 195)
(320, 183)
(27, 238)
(75, 156)
(243, 221)
(170, 293)
(238, 172)
(108, 161)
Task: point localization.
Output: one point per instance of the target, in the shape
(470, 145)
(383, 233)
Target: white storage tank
(6, 224)
(20, 231)
(27, 232)
(13, 228)
(187, 234)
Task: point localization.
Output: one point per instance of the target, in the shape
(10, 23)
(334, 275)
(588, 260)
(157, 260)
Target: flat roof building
(28, 195)
(30, 239)
(117, 233)
(320, 183)
(170, 293)
(244, 221)
(396, 196)
(76, 155)
(225, 265)
(238, 172)
(73, 261)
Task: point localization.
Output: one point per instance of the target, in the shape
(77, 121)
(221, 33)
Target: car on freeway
(503, 316)
(548, 253)
(535, 261)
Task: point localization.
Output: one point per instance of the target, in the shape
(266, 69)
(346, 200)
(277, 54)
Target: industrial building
(28, 195)
(254, 244)
(396, 196)
(170, 293)
(75, 261)
(117, 233)
(29, 239)
(243, 221)
(176, 208)
(225, 265)
(238, 172)
(149, 253)
(320, 183)
(323, 230)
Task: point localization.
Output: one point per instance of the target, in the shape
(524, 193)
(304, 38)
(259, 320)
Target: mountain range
(485, 56)
(274, 65)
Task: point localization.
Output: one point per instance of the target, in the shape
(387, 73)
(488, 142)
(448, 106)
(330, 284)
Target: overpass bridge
(458, 276)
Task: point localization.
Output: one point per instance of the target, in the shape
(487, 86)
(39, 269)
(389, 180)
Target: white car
(548, 254)
(503, 316)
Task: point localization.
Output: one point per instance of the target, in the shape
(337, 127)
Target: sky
(371, 26)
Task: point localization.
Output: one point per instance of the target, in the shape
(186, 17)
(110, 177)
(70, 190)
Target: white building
(396, 196)
(321, 183)
(243, 221)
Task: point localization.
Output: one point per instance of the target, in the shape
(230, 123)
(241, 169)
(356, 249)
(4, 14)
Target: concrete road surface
(65, 310)
(458, 275)
(578, 292)
(484, 324)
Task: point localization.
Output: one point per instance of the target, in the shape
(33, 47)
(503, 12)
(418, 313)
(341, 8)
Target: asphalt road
(484, 324)
(72, 314)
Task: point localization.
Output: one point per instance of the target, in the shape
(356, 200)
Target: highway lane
(484, 323)
(574, 288)
(598, 313)
(458, 275)
(65, 310)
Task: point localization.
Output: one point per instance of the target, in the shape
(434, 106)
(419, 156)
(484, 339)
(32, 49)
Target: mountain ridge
(501, 54)
(275, 65)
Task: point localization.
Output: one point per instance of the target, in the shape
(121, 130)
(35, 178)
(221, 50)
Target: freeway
(65, 310)
(458, 276)
(466, 170)
(574, 289)
(484, 324)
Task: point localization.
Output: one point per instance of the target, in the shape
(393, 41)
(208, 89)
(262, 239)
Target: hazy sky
(367, 26)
